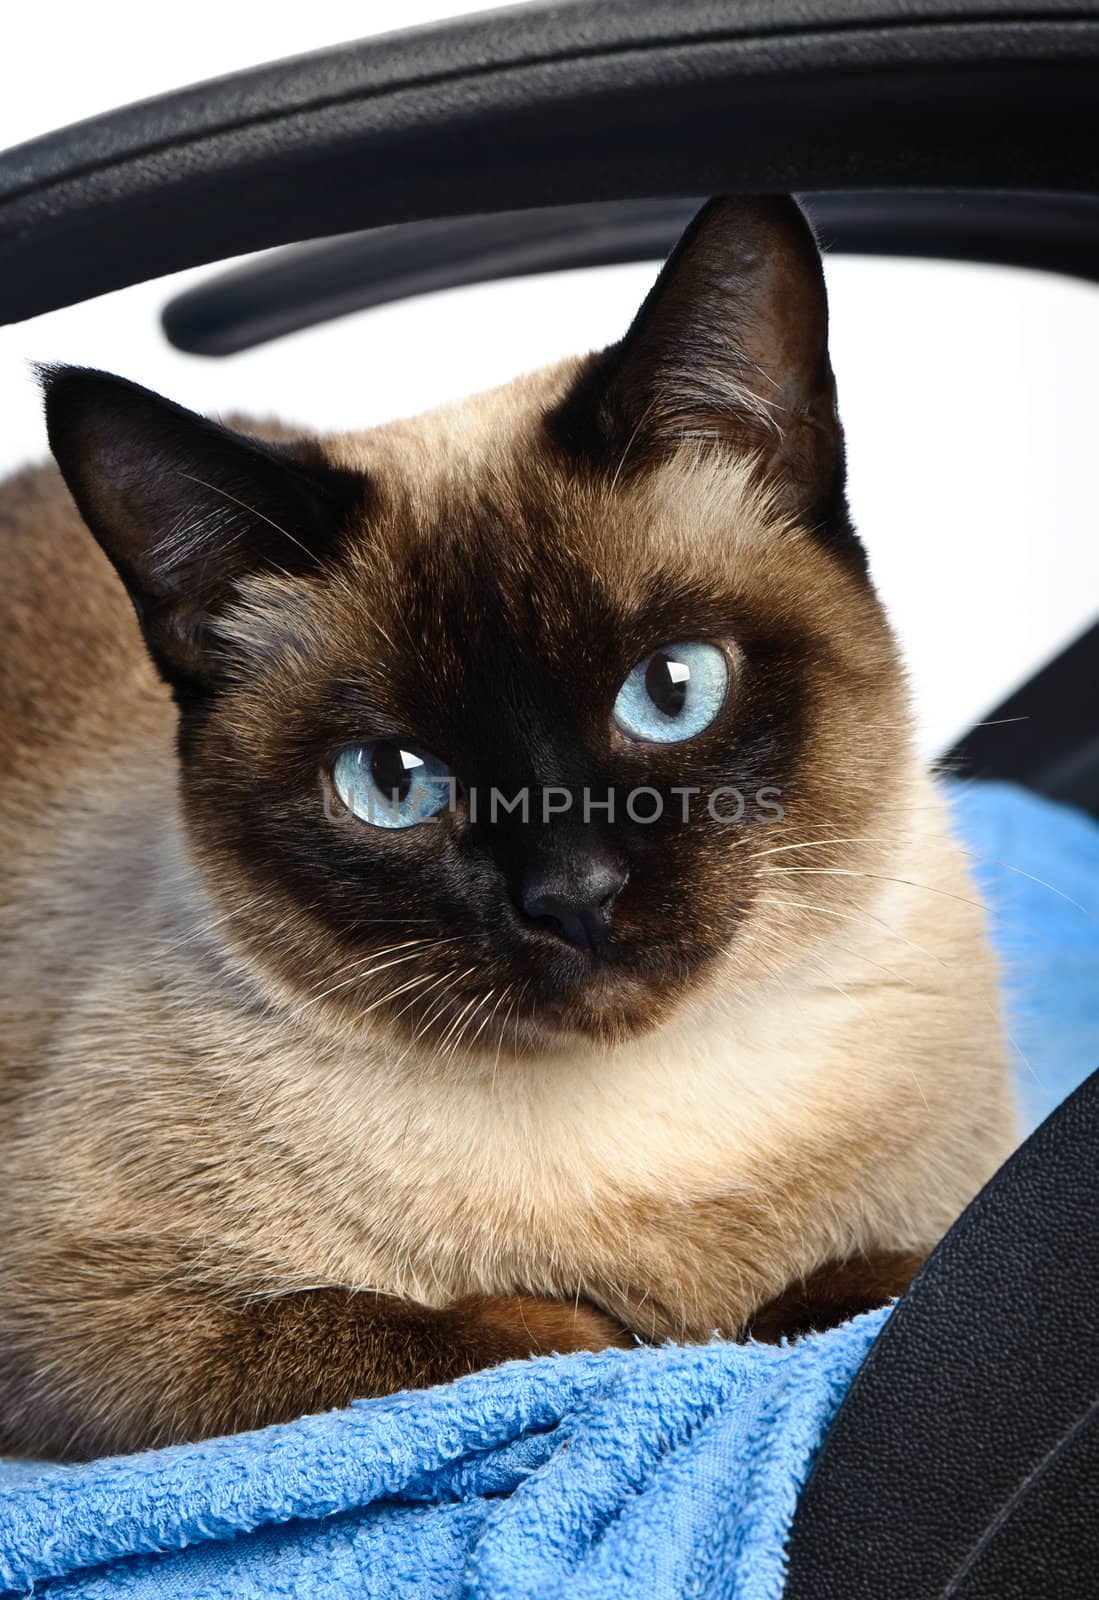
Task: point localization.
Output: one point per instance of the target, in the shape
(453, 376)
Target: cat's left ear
(731, 344)
(186, 508)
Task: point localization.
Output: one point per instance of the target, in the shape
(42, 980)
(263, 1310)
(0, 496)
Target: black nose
(574, 899)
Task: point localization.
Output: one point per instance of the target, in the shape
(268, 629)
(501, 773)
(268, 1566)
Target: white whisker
(823, 911)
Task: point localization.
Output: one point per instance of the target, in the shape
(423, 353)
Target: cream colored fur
(838, 1086)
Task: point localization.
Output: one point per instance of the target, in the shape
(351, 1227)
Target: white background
(968, 392)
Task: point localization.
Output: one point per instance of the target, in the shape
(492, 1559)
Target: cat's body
(203, 1151)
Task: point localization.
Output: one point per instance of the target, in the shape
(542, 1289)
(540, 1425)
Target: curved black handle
(306, 284)
(556, 104)
(311, 283)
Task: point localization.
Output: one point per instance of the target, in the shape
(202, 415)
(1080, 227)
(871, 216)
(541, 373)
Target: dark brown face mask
(498, 754)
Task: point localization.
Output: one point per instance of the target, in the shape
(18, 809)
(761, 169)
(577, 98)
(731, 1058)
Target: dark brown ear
(185, 508)
(731, 344)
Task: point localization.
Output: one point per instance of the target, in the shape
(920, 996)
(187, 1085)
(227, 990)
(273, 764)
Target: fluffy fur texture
(295, 1108)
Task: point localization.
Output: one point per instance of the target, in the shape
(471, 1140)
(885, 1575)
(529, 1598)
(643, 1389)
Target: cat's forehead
(450, 442)
(492, 587)
(475, 511)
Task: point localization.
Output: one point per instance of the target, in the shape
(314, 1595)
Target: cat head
(488, 719)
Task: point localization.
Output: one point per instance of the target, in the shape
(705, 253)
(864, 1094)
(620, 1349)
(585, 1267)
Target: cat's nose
(574, 899)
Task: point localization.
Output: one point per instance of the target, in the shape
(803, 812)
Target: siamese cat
(468, 887)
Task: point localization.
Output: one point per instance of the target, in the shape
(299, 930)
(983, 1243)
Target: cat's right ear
(730, 348)
(185, 508)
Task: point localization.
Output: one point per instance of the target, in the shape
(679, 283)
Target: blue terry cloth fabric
(648, 1472)
(666, 1472)
(1038, 866)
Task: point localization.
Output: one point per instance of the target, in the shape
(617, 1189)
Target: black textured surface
(1046, 734)
(965, 1460)
(296, 288)
(550, 105)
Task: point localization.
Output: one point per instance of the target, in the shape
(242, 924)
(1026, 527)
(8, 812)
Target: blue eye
(390, 787)
(674, 693)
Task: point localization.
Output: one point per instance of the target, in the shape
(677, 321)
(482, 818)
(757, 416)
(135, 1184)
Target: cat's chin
(610, 1009)
(582, 1003)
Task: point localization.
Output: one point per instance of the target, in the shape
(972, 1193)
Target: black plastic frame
(551, 105)
(1045, 735)
(312, 283)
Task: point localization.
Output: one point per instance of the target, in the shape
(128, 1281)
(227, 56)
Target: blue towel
(1038, 866)
(659, 1472)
